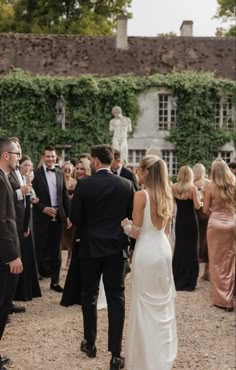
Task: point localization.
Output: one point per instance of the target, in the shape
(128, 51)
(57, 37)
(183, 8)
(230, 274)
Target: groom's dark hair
(103, 152)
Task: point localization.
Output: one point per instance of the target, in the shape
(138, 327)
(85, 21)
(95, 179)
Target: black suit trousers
(47, 242)
(8, 284)
(113, 270)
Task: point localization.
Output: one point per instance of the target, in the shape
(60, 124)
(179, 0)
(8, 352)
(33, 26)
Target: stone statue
(120, 126)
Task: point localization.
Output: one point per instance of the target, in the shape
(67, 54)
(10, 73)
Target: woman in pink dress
(219, 203)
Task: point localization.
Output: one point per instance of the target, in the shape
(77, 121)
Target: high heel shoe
(227, 309)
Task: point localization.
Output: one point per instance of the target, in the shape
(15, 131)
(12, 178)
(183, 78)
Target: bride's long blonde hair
(157, 182)
(224, 180)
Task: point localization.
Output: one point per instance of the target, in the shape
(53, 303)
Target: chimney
(121, 32)
(186, 29)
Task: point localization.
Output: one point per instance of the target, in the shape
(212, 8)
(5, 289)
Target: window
(169, 156)
(166, 111)
(227, 156)
(225, 115)
(135, 156)
(63, 114)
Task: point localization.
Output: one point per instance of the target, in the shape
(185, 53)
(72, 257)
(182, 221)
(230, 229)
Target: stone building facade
(63, 55)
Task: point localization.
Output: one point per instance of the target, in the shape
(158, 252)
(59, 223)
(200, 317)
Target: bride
(151, 339)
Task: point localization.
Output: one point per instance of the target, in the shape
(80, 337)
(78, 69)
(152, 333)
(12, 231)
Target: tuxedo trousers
(47, 243)
(8, 284)
(112, 268)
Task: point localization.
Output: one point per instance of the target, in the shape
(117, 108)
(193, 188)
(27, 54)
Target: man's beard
(11, 167)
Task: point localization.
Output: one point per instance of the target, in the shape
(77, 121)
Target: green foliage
(168, 34)
(83, 17)
(28, 110)
(226, 8)
(227, 11)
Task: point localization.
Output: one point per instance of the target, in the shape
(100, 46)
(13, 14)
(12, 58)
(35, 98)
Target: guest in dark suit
(49, 214)
(20, 190)
(10, 263)
(120, 170)
(99, 204)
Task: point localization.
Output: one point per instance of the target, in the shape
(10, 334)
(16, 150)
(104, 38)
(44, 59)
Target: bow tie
(50, 169)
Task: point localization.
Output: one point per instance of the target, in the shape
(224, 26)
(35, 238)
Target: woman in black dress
(201, 182)
(185, 259)
(28, 286)
(72, 289)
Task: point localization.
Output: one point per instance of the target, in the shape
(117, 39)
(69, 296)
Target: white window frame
(225, 114)
(135, 155)
(169, 156)
(166, 111)
(226, 155)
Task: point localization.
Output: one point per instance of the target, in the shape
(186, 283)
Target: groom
(99, 205)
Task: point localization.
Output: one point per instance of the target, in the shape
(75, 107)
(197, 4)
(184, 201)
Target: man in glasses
(10, 262)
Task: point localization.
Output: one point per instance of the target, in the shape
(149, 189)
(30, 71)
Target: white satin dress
(151, 342)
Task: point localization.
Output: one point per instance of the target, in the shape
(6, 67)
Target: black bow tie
(115, 172)
(50, 169)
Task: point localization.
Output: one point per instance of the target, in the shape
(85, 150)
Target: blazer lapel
(43, 176)
(59, 185)
(15, 177)
(7, 181)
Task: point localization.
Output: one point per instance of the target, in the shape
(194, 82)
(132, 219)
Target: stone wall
(75, 55)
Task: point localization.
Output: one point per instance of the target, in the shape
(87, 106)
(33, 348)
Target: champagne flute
(28, 180)
(54, 218)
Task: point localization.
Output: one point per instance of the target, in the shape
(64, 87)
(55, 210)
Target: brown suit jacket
(9, 242)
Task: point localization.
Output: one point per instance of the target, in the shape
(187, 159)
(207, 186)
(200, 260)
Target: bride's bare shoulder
(140, 196)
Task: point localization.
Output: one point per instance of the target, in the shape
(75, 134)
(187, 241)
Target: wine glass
(29, 179)
(54, 218)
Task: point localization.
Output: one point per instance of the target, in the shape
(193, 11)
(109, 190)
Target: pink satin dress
(221, 250)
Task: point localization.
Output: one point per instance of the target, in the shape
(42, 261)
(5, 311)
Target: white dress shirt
(52, 185)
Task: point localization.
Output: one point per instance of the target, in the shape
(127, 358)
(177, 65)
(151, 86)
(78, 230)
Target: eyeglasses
(16, 153)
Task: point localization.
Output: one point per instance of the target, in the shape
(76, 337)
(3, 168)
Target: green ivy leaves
(28, 110)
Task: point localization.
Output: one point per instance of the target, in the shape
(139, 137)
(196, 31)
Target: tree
(168, 34)
(6, 15)
(227, 11)
(83, 17)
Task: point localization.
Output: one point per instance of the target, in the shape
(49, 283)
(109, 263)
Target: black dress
(28, 285)
(72, 289)
(185, 259)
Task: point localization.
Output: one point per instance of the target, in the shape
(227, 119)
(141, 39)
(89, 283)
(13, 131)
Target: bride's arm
(132, 228)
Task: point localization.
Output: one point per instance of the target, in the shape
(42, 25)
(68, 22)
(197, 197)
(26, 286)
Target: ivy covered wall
(28, 110)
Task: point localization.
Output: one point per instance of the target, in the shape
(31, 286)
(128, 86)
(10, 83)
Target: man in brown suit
(10, 262)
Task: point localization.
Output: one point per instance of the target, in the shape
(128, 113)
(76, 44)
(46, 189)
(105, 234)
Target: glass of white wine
(54, 218)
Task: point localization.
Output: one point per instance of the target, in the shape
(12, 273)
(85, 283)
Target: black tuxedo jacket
(19, 204)
(127, 174)
(9, 242)
(41, 189)
(100, 203)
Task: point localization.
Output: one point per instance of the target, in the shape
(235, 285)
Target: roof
(64, 55)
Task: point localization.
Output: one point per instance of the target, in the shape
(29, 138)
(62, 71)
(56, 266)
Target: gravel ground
(48, 336)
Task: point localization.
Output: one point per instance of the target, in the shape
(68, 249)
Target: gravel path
(48, 336)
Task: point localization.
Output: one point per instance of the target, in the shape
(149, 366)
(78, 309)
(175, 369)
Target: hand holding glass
(55, 209)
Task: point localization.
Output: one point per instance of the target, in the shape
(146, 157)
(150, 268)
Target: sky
(152, 17)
